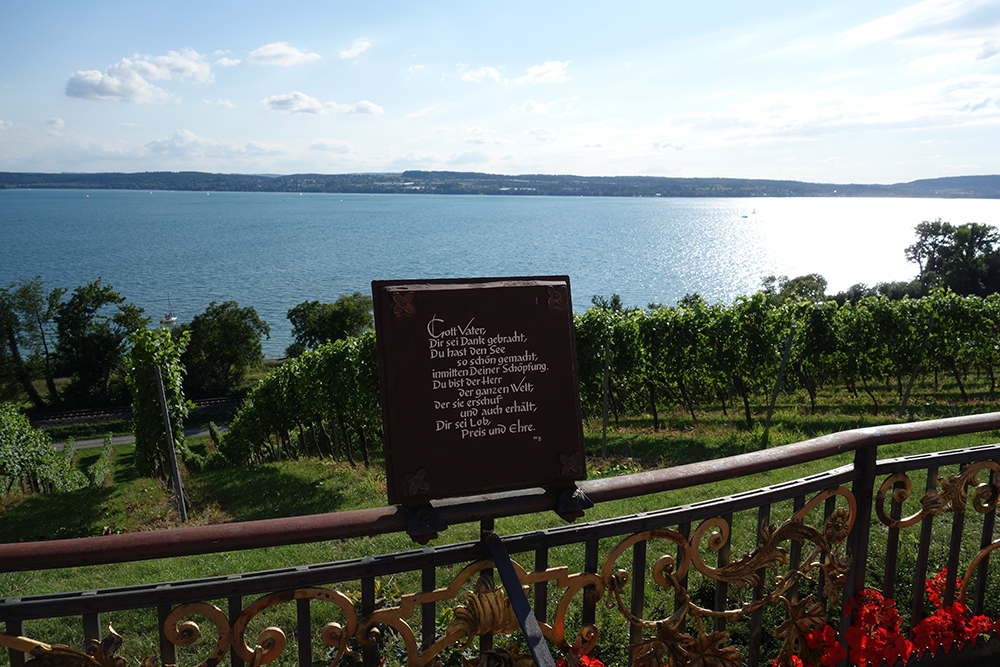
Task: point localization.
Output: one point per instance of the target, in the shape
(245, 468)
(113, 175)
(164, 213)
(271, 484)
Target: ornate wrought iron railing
(657, 588)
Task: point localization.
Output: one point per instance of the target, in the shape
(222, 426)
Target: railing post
(989, 520)
(757, 617)
(91, 627)
(303, 633)
(15, 628)
(589, 615)
(638, 589)
(369, 655)
(721, 587)
(541, 587)
(923, 550)
(857, 545)
(954, 551)
(486, 526)
(234, 607)
(168, 652)
(428, 610)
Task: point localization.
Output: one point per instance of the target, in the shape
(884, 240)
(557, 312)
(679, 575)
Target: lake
(275, 250)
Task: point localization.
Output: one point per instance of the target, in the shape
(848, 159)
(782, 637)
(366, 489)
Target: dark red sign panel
(479, 386)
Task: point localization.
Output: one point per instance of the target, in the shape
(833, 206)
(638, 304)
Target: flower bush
(875, 635)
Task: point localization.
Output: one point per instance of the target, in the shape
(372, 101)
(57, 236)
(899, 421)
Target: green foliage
(315, 323)
(962, 258)
(335, 385)
(224, 345)
(152, 349)
(27, 457)
(693, 354)
(810, 288)
(92, 344)
(99, 472)
(26, 318)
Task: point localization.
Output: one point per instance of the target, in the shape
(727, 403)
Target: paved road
(128, 439)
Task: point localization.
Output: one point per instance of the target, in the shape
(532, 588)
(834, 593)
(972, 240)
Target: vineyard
(694, 357)
(30, 463)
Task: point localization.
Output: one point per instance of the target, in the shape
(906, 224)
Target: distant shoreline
(473, 183)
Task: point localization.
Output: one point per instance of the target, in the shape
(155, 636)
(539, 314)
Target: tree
(962, 258)
(12, 364)
(225, 344)
(92, 344)
(35, 312)
(315, 323)
(810, 288)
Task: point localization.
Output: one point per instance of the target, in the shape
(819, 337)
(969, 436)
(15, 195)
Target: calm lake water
(273, 251)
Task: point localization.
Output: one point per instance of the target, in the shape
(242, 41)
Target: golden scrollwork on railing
(672, 644)
(952, 497)
(271, 641)
(186, 633)
(100, 653)
(487, 610)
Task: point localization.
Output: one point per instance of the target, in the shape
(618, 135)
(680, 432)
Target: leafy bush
(100, 471)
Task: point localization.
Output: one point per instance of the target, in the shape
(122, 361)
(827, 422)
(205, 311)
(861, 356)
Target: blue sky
(872, 92)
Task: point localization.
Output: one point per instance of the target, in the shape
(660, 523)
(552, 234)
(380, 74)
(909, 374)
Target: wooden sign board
(479, 386)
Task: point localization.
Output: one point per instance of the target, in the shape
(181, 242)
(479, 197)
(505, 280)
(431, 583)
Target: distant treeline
(450, 182)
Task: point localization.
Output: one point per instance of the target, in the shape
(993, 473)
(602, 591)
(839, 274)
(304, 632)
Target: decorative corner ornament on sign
(404, 304)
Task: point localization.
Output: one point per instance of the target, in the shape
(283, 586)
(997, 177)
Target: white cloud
(296, 102)
(331, 146)
(280, 54)
(56, 122)
(221, 103)
(366, 107)
(413, 69)
(119, 82)
(6, 124)
(359, 46)
(481, 74)
(228, 62)
(550, 72)
(542, 134)
(185, 145)
(129, 79)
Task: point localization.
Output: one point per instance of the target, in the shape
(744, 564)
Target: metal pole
(175, 473)
(604, 428)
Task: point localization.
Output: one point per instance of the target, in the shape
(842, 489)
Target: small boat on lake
(169, 317)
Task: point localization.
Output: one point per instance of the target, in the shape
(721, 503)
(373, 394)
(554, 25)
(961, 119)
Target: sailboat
(169, 317)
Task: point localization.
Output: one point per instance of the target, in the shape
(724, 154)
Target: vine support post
(604, 405)
(171, 452)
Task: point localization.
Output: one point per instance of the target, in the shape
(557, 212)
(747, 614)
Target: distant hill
(453, 182)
